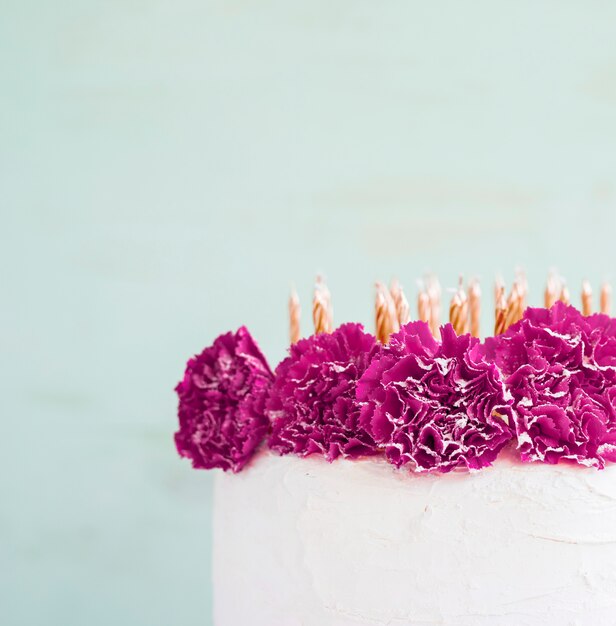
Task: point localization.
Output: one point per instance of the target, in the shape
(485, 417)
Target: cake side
(302, 541)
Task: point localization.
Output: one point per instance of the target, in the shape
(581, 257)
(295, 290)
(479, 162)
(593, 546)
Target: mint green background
(168, 168)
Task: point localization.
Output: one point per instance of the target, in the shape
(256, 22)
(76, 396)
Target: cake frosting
(305, 542)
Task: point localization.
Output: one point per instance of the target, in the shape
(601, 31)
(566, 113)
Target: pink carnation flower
(435, 405)
(222, 403)
(561, 369)
(312, 402)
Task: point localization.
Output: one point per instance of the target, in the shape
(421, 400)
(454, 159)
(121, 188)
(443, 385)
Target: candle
(474, 303)
(565, 296)
(513, 305)
(500, 312)
(586, 298)
(327, 296)
(522, 294)
(458, 310)
(434, 295)
(392, 310)
(403, 312)
(322, 308)
(552, 290)
(606, 298)
(423, 306)
(386, 321)
(499, 285)
(294, 317)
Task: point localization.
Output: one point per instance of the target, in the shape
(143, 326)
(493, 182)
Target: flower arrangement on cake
(423, 396)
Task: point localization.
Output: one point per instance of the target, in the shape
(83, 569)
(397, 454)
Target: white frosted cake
(301, 542)
(419, 477)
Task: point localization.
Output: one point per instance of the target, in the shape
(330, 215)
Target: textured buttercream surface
(304, 542)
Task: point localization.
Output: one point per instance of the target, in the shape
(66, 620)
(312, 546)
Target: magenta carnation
(312, 402)
(561, 370)
(222, 403)
(436, 405)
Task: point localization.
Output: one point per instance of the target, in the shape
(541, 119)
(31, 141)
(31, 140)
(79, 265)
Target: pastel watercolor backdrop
(168, 168)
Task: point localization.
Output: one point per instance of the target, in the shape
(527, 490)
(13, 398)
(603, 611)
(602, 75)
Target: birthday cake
(418, 476)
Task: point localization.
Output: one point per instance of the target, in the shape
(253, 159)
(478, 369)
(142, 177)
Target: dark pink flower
(561, 369)
(222, 403)
(436, 405)
(312, 402)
